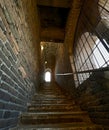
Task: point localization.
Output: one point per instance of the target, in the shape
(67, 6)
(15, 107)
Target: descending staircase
(51, 109)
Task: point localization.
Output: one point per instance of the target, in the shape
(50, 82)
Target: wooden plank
(55, 3)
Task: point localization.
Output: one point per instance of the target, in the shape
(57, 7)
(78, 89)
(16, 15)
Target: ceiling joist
(55, 3)
(72, 24)
(52, 34)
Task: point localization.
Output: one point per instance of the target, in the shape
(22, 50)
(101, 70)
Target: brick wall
(18, 69)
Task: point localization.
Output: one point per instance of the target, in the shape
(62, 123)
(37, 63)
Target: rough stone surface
(93, 96)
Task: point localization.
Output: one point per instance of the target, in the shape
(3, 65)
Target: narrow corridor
(52, 109)
(69, 41)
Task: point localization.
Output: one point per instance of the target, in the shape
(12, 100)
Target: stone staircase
(51, 109)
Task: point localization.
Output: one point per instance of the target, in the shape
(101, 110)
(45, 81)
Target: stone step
(100, 108)
(52, 108)
(61, 126)
(49, 87)
(50, 90)
(47, 92)
(54, 117)
(50, 98)
(40, 109)
(50, 95)
(45, 101)
(53, 98)
(52, 105)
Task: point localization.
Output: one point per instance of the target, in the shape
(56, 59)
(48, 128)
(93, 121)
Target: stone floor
(52, 109)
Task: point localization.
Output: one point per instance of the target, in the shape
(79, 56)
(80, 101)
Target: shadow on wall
(66, 82)
(93, 96)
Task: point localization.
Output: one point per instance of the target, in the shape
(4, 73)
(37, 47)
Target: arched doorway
(47, 75)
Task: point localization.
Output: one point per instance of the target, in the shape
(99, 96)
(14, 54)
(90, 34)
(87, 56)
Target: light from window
(47, 76)
(42, 47)
(102, 59)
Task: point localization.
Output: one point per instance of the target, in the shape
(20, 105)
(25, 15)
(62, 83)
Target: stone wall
(63, 72)
(18, 55)
(93, 96)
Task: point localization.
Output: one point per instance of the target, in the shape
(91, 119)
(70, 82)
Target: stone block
(4, 59)
(9, 48)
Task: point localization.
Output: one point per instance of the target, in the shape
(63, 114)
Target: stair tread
(52, 109)
(54, 117)
(56, 113)
(51, 102)
(51, 106)
(62, 126)
(50, 98)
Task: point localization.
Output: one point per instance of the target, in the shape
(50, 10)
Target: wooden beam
(72, 24)
(52, 34)
(55, 3)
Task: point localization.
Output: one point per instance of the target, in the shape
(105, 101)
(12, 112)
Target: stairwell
(53, 109)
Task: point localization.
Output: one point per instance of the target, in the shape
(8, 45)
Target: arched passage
(47, 75)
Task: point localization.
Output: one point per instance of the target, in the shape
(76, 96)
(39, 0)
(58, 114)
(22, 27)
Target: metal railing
(91, 50)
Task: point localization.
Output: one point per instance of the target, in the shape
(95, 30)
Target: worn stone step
(54, 117)
(99, 108)
(53, 99)
(51, 105)
(61, 126)
(51, 89)
(49, 95)
(55, 93)
(45, 101)
(49, 98)
(56, 99)
(51, 108)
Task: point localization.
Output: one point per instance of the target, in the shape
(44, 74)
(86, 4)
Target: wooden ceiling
(58, 20)
(55, 3)
(53, 16)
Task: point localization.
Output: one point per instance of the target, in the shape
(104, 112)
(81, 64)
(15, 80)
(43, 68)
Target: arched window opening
(91, 54)
(101, 54)
(47, 76)
(91, 49)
